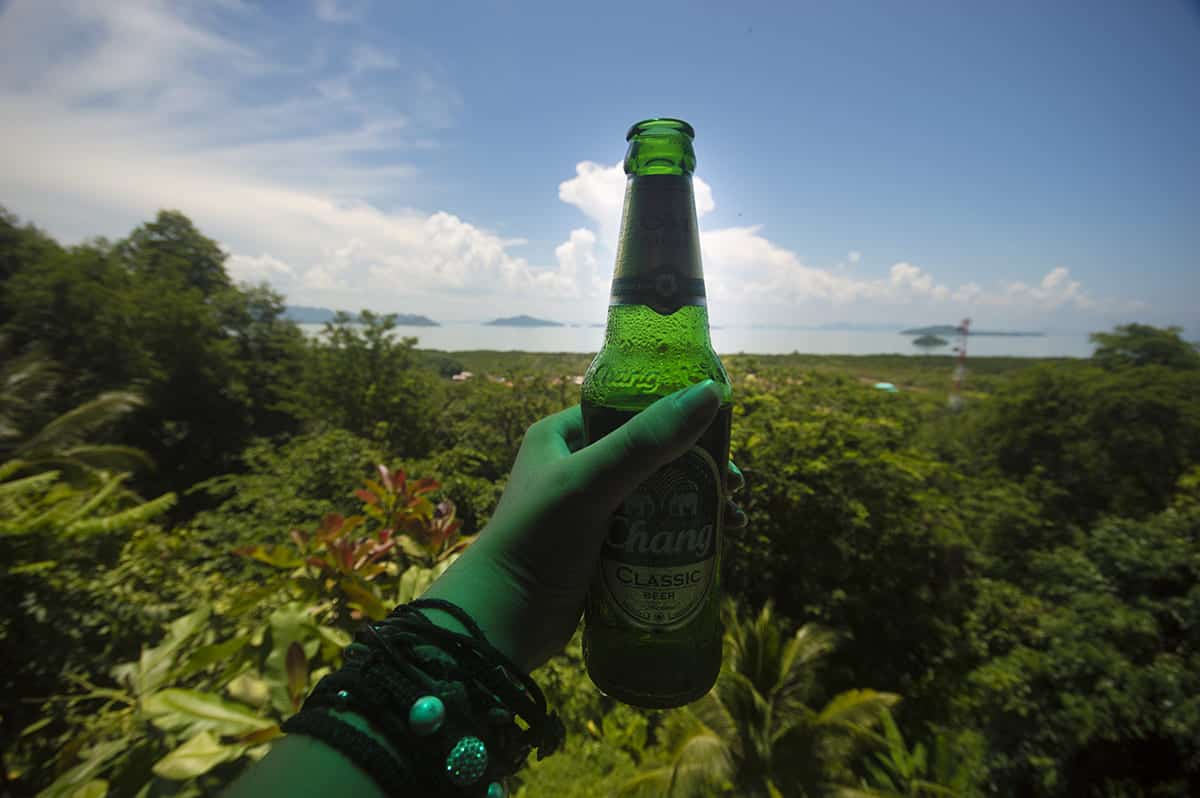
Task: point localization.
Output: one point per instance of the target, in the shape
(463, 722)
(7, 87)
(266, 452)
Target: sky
(1025, 164)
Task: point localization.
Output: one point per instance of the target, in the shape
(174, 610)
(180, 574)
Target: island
(523, 321)
(303, 314)
(930, 341)
(954, 329)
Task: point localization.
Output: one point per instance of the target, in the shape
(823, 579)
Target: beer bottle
(652, 623)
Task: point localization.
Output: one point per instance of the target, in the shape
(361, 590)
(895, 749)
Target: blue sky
(1025, 164)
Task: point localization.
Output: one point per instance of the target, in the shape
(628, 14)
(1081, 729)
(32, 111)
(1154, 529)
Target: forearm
(299, 766)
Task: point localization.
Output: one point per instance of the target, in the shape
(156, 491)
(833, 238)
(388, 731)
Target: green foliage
(1142, 345)
(852, 524)
(1088, 670)
(940, 770)
(1077, 429)
(1024, 572)
(193, 709)
(359, 377)
(285, 486)
(757, 733)
(157, 312)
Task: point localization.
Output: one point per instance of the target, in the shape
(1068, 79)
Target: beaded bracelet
(448, 703)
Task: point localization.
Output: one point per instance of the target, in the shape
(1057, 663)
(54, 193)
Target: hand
(525, 578)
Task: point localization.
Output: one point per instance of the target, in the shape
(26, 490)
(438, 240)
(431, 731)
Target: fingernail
(739, 479)
(699, 400)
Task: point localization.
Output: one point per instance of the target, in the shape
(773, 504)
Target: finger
(615, 465)
(557, 435)
(737, 480)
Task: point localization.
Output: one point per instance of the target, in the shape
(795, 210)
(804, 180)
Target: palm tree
(755, 733)
(897, 771)
(30, 444)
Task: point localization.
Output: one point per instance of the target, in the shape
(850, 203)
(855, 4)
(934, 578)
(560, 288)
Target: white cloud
(853, 256)
(599, 192)
(258, 268)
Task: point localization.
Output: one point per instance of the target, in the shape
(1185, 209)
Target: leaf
(249, 689)
(174, 709)
(385, 476)
(261, 736)
(367, 496)
(196, 757)
(94, 761)
(289, 624)
(205, 656)
(96, 788)
(366, 600)
(156, 663)
(297, 674)
(36, 726)
(334, 636)
(275, 556)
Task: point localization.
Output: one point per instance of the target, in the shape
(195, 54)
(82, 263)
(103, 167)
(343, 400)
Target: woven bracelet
(447, 702)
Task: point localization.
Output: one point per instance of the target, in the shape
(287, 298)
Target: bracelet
(447, 702)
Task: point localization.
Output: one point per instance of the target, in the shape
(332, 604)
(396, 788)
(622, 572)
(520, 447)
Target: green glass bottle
(652, 622)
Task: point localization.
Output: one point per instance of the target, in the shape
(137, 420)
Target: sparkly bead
(467, 762)
(426, 715)
(496, 790)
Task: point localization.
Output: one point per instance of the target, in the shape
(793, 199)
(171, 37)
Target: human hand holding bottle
(525, 578)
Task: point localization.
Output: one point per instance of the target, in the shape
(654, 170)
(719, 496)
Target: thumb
(620, 461)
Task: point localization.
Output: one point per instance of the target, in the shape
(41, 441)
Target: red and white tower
(960, 367)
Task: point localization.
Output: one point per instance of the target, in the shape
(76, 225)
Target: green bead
(467, 762)
(426, 715)
(496, 790)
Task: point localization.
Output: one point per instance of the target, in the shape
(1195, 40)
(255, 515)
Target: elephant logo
(684, 505)
(640, 505)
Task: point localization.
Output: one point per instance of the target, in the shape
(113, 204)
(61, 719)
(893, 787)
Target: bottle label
(657, 567)
(658, 256)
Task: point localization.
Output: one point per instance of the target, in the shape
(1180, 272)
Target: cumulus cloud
(744, 268)
(108, 126)
(599, 192)
(258, 268)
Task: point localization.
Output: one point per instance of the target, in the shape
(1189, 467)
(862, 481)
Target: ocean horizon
(728, 340)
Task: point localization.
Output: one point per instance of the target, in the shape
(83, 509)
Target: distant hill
(302, 314)
(523, 321)
(950, 329)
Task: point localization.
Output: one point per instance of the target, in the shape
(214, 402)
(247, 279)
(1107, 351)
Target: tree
(755, 732)
(362, 379)
(1088, 678)
(171, 250)
(1131, 345)
(1097, 441)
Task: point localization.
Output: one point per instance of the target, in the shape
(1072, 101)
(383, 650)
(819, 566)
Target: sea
(465, 336)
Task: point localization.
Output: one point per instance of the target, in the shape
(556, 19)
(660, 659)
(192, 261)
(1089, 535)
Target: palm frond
(714, 715)
(654, 782)
(110, 457)
(127, 519)
(807, 645)
(74, 426)
(704, 760)
(856, 708)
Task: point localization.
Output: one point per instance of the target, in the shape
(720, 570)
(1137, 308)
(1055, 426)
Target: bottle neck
(658, 253)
